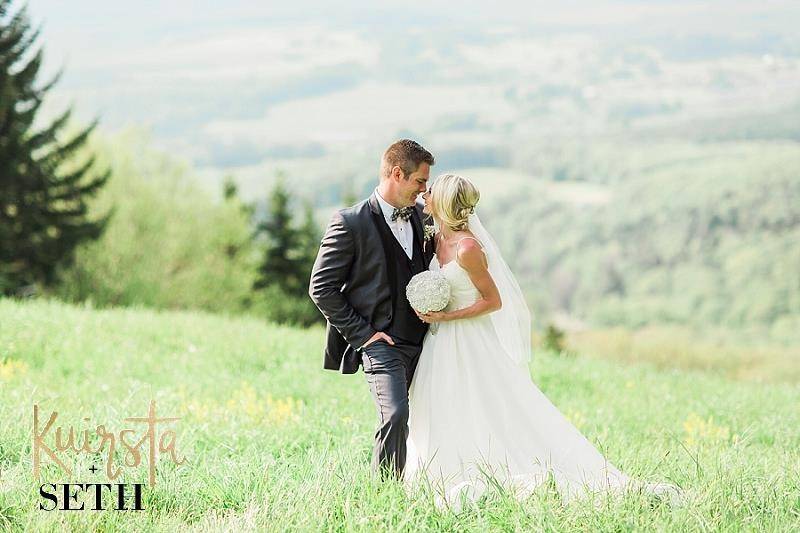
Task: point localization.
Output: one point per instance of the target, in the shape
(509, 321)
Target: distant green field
(276, 443)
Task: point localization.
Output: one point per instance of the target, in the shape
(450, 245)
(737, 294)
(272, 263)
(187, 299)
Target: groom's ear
(397, 173)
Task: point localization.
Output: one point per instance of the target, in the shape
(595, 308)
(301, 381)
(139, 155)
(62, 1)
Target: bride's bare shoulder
(470, 253)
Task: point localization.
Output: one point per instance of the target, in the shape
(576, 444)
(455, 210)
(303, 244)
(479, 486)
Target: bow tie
(403, 213)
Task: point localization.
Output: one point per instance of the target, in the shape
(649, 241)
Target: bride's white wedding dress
(475, 413)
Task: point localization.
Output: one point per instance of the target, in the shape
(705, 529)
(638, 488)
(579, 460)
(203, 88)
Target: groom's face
(411, 186)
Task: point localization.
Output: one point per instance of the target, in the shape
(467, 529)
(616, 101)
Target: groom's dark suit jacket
(353, 282)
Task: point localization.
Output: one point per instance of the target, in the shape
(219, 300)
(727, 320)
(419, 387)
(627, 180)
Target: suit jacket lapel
(386, 243)
(374, 206)
(418, 233)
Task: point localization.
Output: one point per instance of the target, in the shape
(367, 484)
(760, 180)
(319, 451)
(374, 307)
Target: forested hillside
(669, 233)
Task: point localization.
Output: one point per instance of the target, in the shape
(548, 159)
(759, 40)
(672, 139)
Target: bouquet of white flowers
(428, 291)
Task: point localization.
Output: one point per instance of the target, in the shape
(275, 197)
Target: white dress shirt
(401, 229)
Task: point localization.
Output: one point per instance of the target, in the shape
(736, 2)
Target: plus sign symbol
(94, 469)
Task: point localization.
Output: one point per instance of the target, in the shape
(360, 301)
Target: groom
(368, 255)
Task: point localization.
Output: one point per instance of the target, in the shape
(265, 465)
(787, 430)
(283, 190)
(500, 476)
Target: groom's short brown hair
(407, 155)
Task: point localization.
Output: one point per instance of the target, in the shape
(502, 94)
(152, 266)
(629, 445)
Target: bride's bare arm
(472, 259)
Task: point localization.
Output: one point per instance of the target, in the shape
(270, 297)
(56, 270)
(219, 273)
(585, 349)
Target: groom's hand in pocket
(379, 336)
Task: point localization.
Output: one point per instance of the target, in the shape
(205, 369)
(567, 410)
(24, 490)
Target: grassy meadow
(273, 442)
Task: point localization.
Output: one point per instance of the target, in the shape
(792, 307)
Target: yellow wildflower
(11, 367)
(701, 431)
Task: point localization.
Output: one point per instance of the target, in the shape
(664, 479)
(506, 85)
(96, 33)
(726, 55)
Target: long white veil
(512, 322)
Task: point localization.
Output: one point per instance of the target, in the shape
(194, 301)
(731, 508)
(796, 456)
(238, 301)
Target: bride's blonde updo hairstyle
(454, 200)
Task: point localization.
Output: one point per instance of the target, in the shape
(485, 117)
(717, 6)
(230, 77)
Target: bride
(476, 417)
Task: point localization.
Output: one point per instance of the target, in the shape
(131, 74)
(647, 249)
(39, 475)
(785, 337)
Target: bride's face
(428, 197)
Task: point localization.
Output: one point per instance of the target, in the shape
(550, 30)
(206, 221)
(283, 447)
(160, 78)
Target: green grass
(274, 442)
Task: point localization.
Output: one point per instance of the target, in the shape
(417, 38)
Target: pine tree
(289, 251)
(230, 191)
(43, 188)
(282, 255)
